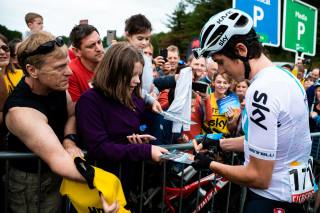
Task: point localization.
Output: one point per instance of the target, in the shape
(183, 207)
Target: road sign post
(266, 18)
(299, 31)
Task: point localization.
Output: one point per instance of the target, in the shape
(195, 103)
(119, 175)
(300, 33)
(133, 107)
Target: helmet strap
(247, 67)
(248, 42)
(245, 61)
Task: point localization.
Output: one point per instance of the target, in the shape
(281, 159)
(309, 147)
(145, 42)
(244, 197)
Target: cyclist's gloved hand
(200, 139)
(86, 170)
(209, 143)
(201, 162)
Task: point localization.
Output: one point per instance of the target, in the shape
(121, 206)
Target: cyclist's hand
(211, 144)
(113, 208)
(204, 143)
(156, 151)
(201, 162)
(198, 147)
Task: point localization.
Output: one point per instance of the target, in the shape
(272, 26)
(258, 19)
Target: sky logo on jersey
(259, 102)
(218, 123)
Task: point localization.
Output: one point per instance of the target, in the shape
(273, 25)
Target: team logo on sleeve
(259, 103)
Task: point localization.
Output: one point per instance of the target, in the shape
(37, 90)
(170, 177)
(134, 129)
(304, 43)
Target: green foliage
(104, 41)
(65, 39)
(156, 42)
(189, 17)
(185, 25)
(9, 34)
(316, 59)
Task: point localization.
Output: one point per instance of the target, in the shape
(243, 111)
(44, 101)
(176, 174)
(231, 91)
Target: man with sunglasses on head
(277, 143)
(87, 45)
(39, 115)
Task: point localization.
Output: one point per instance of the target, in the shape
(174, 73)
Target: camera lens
(306, 61)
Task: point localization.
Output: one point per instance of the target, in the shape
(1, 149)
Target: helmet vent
(233, 16)
(242, 21)
(205, 35)
(221, 30)
(218, 33)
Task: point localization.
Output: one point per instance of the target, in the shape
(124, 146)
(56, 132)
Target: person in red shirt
(87, 45)
(71, 54)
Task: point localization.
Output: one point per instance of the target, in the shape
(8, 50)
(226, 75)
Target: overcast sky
(61, 15)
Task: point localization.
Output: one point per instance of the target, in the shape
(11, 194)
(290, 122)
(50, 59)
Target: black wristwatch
(72, 137)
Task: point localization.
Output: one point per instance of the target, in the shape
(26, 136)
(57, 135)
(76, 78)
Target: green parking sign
(299, 27)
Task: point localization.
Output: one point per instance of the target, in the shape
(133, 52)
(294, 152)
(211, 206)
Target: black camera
(306, 61)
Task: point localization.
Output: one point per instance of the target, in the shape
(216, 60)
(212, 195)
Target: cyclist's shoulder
(273, 81)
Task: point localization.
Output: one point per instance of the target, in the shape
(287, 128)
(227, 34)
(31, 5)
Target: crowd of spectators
(55, 101)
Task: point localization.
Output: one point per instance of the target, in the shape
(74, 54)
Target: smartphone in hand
(111, 35)
(201, 87)
(164, 54)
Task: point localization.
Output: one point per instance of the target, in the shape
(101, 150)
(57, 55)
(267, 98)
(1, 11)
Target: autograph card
(215, 136)
(228, 101)
(179, 156)
(175, 118)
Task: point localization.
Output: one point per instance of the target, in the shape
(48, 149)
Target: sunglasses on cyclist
(5, 48)
(45, 48)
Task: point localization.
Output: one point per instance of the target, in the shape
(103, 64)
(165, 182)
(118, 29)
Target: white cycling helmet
(219, 29)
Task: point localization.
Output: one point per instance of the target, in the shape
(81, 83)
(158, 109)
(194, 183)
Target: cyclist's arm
(232, 144)
(32, 128)
(257, 174)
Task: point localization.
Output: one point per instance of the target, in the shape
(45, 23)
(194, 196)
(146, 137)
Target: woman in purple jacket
(109, 115)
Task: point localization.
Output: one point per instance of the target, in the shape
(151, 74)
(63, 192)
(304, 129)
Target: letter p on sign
(301, 29)
(257, 17)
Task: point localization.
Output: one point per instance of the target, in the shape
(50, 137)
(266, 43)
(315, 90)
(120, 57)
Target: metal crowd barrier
(6, 156)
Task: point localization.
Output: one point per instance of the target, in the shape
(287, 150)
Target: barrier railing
(7, 156)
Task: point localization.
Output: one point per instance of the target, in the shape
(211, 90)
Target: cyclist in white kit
(277, 143)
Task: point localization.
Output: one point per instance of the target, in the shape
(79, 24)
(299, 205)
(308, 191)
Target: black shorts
(256, 203)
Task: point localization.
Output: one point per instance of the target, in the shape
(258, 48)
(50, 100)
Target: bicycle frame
(171, 193)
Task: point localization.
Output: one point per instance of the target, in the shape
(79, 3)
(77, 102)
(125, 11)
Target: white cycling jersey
(276, 127)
